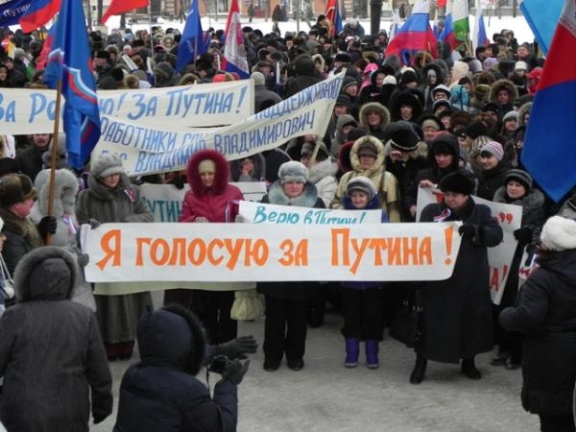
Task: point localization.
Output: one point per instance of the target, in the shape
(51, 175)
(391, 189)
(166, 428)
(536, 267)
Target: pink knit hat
(494, 148)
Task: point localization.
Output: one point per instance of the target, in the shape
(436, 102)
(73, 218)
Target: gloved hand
(201, 219)
(467, 230)
(93, 223)
(235, 371)
(99, 418)
(178, 182)
(83, 260)
(523, 235)
(239, 219)
(47, 225)
(236, 348)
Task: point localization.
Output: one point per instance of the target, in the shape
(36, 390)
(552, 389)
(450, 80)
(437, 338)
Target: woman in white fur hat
(545, 315)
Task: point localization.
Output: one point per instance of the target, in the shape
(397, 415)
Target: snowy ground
(493, 24)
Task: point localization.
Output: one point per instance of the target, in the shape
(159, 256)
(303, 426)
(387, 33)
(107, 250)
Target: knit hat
(510, 115)
(348, 82)
(19, 53)
(441, 103)
(559, 234)
(367, 148)
(363, 184)
(431, 122)
(343, 57)
(293, 171)
(490, 62)
(408, 77)
(402, 136)
(389, 79)
(476, 129)
(494, 148)
(446, 144)
(258, 78)
(481, 91)
(441, 89)
(521, 177)
(521, 65)
(343, 100)
(207, 165)
(106, 164)
(16, 188)
(457, 182)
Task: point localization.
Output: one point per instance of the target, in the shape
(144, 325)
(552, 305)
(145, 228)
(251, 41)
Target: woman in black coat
(544, 314)
(161, 393)
(287, 303)
(457, 313)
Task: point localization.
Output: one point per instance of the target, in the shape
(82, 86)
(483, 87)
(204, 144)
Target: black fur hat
(457, 182)
(402, 136)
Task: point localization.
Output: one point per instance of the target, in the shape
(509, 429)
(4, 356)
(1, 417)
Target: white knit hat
(559, 234)
(293, 171)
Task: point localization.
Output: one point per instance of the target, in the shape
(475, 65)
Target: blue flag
(542, 17)
(70, 61)
(193, 42)
(12, 11)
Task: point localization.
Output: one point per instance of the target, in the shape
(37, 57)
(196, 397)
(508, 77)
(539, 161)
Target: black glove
(235, 371)
(99, 418)
(93, 223)
(178, 182)
(236, 348)
(523, 235)
(47, 225)
(467, 230)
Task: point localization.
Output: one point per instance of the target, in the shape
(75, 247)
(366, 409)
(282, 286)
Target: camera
(218, 364)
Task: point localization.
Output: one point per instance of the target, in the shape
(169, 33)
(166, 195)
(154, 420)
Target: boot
(352, 352)
(372, 354)
(417, 375)
(469, 369)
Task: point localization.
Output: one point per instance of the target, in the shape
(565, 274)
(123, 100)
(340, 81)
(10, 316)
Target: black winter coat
(457, 317)
(159, 394)
(492, 180)
(544, 313)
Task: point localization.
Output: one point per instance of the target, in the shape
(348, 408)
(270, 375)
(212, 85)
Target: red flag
(334, 16)
(38, 14)
(118, 7)
(441, 3)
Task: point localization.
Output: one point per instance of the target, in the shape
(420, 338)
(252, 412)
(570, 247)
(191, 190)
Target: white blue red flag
(234, 51)
(549, 150)
(479, 37)
(334, 14)
(70, 61)
(542, 17)
(38, 14)
(416, 34)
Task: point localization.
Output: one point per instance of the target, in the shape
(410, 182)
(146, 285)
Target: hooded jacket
(508, 85)
(213, 203)
(54, 394)
(160, 393)
(382, 112)
(384, 182)
(544, 313)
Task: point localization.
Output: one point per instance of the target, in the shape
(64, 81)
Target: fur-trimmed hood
(322, 169)
(308, 198)
(532, 201)
(379, 163)
(222, 172)
(171, 337)
(410, 99)
(508, 85)
(46, 273)
(371, 107)
(102, 192)
(526, 108)
(440, 75)
(344, 164)
(65, 191)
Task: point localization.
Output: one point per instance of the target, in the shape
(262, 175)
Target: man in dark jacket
(263, 98)
(161, 392)
(30, 159)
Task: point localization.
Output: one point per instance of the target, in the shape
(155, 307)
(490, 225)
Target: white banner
(281, 215)
(148, 150)
(24, 111)
(249, 252)
(499, 257)
(165, 200)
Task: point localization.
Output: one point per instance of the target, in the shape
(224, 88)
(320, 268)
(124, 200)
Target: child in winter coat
(362, 301)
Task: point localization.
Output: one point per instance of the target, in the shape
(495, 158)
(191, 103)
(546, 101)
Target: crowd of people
(454, 126)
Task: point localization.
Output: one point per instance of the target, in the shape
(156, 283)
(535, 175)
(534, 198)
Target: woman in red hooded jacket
(211, 199)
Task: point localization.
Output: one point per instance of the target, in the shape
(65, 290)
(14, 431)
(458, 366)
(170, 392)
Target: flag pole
(150, 29)
(54, 155)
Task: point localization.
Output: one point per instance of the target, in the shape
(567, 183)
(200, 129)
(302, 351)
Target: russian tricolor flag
(38, 14)
(447, 34)
(479, 37)
(415, 35)
(234, 50)
(549, 149)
